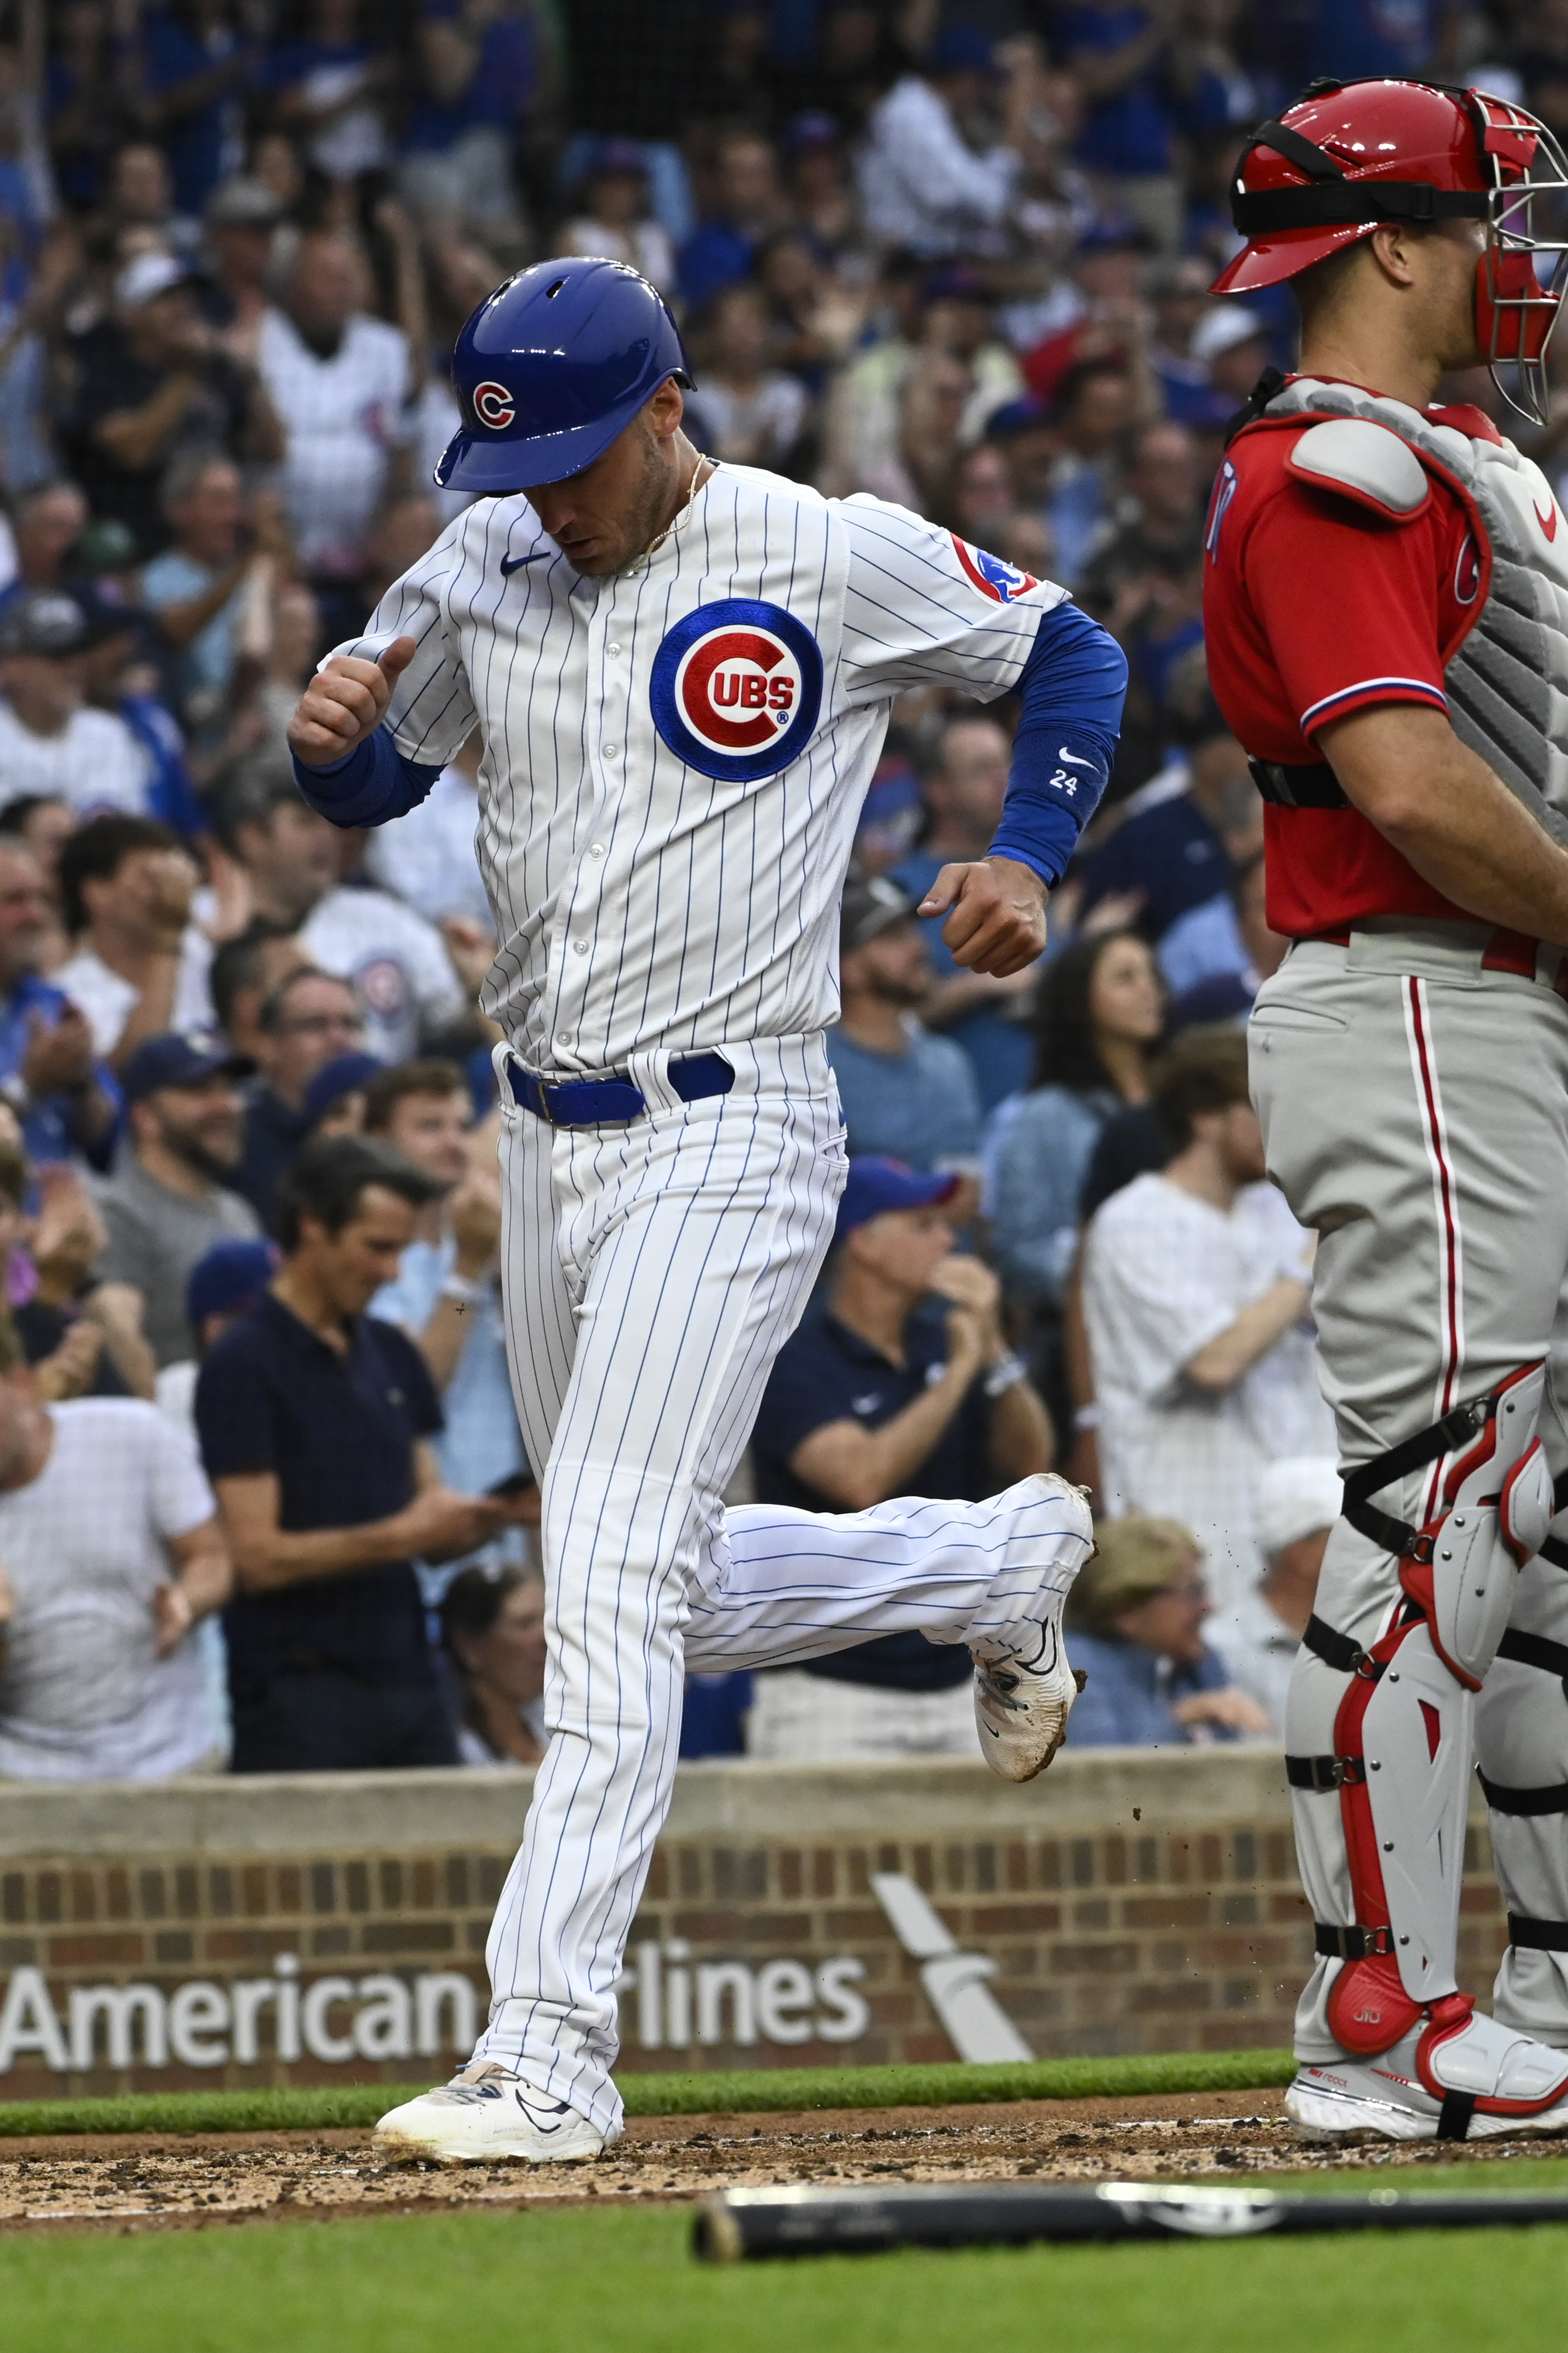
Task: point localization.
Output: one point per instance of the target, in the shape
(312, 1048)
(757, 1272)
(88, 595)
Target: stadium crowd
(262, 1494)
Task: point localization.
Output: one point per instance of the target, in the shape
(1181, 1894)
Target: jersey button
(597, 850)
(610, 751)
(579, 947)
(612, 651)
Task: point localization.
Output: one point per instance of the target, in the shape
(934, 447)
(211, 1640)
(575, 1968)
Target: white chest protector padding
(1366, 461)
(1507, 684)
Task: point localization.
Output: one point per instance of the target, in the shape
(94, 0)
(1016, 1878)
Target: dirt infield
(161, 2181)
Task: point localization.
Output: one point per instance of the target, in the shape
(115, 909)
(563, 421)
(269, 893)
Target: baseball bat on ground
(737, 2223)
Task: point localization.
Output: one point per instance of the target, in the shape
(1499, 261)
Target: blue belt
(605, 1102)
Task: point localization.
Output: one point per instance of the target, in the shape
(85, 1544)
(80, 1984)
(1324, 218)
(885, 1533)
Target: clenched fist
(344, 703)
(998, 920)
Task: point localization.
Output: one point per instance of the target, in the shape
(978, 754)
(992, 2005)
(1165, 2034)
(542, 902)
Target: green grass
(578, 2281)
(677, 2095)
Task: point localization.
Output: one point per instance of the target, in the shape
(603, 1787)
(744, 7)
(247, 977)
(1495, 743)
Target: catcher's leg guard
(1521, 1727)
(1403, 1732)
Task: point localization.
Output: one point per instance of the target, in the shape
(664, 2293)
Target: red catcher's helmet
(1351, 155)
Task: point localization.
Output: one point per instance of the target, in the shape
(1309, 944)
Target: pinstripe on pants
(652, 1273)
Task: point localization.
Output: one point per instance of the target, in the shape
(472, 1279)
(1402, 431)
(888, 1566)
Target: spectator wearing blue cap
(334, 1100)
(226, 1283)
(170, 1197)
(904, 1092)
(51, 742)
(903, 1386)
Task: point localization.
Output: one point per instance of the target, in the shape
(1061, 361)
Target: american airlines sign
(669, 2003)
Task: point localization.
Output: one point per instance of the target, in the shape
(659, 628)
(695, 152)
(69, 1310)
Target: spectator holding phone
(316, 1423)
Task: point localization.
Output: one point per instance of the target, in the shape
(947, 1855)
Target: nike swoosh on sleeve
(510, 564)
(1063, 754)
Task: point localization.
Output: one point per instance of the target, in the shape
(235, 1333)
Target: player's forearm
(859, 1468)
(133, 436)
(442, 1341)
(206, 1579)
(267, 1559)
(1221, 1362)
(1022, 1438)
(1456, 821)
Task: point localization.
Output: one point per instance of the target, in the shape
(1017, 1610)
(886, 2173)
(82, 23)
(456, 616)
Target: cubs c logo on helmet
(1001, 582)
(494, 405)
(736, 689)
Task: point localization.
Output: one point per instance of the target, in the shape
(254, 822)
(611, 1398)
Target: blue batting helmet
(549, 368)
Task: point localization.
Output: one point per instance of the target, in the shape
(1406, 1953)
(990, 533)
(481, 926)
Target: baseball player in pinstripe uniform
(681, 673)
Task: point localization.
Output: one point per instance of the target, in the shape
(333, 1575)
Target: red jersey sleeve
(1350, 603)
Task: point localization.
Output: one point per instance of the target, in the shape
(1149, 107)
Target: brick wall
(1112, 1927)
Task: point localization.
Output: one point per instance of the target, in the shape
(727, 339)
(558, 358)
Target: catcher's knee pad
(1493, 1510)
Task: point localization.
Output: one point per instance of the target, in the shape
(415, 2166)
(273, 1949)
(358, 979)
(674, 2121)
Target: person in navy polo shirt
(315, 1423)
(904, 1385)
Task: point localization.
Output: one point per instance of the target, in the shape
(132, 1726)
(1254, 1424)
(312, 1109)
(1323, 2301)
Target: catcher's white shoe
(486, 2115)
(1458, 2077)
(1021, 1711)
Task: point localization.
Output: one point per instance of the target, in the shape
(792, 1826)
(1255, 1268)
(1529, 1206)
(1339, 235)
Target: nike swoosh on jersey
(510, 564)
(1065, 754)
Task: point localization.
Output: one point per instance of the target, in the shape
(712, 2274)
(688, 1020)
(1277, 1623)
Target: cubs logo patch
(1001, 582)
(736, 689)
(494, 407)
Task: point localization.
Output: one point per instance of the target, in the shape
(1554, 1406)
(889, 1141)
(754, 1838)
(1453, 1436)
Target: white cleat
(1021, 1711)
(486, 2115)
(1449, 2080)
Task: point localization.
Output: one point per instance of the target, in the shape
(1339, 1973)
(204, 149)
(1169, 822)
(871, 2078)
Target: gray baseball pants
(1414, 1111)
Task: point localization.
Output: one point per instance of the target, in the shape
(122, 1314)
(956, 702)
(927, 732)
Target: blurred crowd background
(957, 258)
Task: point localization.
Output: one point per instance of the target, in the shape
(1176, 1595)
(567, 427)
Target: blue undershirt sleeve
(370, 785)
(1073, 686)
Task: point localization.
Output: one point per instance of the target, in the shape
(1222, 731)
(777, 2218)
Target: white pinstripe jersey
(675, 758)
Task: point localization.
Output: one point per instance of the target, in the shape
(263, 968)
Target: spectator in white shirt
(744, 411)
(430, 858)
(397, 962)
(1196, 1288)
(51, 742)
(923, 186)
(340, 382)
(112, 1553)
(138, 965)
(1298, 1500)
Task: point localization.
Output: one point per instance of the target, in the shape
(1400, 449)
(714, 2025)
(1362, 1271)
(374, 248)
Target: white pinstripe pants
(652, 1273)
